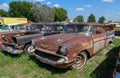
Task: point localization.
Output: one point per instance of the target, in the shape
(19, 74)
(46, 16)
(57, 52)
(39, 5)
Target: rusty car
(22, 43)
(18, 29)
(72, 48)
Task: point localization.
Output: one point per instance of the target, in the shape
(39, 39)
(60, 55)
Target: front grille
(9, 45)
(49, 56)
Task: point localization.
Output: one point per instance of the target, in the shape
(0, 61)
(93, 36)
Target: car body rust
(73, 47)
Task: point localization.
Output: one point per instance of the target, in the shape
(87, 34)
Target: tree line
(37, 12)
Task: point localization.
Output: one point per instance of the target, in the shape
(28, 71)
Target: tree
(60, 14)
(101, 19)
(79, 18)
(20, 9)
(3, 13)
(109, 21)
(42, 13)
(91, 18)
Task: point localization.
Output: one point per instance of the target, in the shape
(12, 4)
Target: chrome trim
(50, 52)
(11, 50)
(49, 61)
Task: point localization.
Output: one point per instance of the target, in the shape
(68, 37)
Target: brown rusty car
(72, 48)
(22, 43)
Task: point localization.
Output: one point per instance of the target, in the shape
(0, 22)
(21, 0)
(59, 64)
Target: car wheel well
(110, 42)
(87, 52)
(27, 44)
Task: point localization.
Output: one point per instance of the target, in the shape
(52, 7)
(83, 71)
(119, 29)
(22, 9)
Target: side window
(91, 30)
(59, 28)
(99, 29)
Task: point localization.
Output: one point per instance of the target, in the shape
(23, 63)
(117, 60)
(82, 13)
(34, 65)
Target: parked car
(79, 42)
(6, 34)
(22, 43)
(19, 30)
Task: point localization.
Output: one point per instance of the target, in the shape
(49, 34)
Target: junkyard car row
(60, 45)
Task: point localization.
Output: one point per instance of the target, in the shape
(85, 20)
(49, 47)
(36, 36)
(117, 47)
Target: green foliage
(42, 13)
(60, 14)
(3, 13)
(20, 9)
(79, 18)
(91, 18)
(109, 21)
(101, 19)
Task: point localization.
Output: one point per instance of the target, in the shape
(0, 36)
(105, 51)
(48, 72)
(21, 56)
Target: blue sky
(108, 8)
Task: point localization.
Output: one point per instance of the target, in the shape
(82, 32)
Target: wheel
(80, 61)
(29, 48)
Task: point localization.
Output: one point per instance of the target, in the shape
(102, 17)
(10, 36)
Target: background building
(10, 20)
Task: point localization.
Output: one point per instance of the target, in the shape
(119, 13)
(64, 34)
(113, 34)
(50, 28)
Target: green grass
(101, 65)
(117, 28)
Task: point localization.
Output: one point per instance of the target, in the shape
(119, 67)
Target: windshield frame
(76, 26)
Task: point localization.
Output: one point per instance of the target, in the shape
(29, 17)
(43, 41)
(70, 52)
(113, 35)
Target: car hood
(54, 41)
(59, 38)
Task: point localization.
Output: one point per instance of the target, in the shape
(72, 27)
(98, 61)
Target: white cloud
(88, 6)
(4, 6)
(80, 9)
(108, 1)
(118, 13)
(56, 5)
(48, 3)
(39, 0)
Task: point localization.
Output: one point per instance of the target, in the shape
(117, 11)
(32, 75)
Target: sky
(110, 9)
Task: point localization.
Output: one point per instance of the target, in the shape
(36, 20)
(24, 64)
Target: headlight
(63, 50)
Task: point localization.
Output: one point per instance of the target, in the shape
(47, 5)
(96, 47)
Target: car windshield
(17, 27)
(52, 28)
(31, 27)
(5, 27)
(76, 29)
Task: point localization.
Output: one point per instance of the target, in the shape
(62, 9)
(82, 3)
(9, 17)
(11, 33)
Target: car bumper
(11, 50)
(61, 63)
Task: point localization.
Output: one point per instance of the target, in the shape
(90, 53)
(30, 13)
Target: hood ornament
(58, 40)
(44, 46)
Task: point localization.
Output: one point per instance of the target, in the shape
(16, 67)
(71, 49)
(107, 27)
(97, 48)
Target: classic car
(19, 30)
(22, 43)
(74, 46)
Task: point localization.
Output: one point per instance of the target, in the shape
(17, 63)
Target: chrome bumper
(11, 50)
(52, 62)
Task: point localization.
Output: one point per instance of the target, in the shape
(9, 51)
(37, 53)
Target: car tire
(80, 61)
(29, 48)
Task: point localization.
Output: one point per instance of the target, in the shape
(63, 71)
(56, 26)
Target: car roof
(82, 23)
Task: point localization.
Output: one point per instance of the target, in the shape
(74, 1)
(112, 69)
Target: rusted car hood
(53, 42)
(59, 38)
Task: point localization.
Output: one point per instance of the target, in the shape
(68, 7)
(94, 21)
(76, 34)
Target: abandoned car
(72, 48)
(21, 43)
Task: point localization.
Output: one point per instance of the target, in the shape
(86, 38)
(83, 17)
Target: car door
(99, 38)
